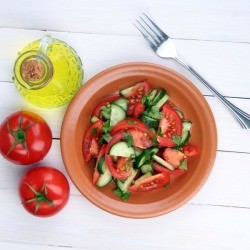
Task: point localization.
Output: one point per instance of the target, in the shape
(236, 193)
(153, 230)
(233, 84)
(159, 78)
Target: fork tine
(164, 35)
(159, 37)
(154, 48)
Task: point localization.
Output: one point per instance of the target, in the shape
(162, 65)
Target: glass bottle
(48, 72)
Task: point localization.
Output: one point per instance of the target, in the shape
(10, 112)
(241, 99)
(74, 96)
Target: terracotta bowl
(184, 94)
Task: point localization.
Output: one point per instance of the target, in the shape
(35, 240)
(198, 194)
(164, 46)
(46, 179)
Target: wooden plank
(230, 173)
(18, 246)
(228, 129)
(82, 225)
(206, 20)
(99, 52)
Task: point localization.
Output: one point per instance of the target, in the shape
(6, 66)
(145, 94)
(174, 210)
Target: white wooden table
(211, 35)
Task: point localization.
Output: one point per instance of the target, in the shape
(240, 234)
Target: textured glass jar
(48, 72)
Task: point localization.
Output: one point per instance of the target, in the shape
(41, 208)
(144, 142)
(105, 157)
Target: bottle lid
(33, 69)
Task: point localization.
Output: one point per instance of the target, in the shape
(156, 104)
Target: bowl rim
(127, 210)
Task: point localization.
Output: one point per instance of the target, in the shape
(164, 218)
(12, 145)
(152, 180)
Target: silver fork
(164, 47)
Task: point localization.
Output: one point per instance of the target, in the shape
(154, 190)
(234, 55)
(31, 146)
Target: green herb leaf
(119, 193)
(106, 109)
(154, 141)
(154, 113)
(145, 97)
(176, 139)
(128, 138)
(106, 128)
(159, 131)
(94, 131)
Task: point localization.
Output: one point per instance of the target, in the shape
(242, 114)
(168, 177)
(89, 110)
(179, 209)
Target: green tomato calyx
(19, 134)
(40, 197)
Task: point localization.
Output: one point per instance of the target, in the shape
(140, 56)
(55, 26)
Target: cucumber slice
(159, 96)
(124, 92)
(185, 137)
(123, 103)
(179, 113)
(138, 151)
(143, 177)
(123, 185)
(101, 166)
(186, 127)
(105, 114)
(106, 111)
(94, 119)
(122, 149)
(146, 168)
(117, 114)
(163, 162)
(145, 156)
(148, 99)
(162, 101)
(151, 122)
(106, 138)
(104, 178)
(183, 164)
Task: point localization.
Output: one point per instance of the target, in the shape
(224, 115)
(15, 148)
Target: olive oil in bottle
(48, 72)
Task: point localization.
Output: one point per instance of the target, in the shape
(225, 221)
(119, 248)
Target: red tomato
(118, 174)
(140, 139)
(123, 164)
(131, 123)
(173, 156)
(160, 169)
(135, 107)
(44, 191)
(90, 143)
(96, 174)
(97, 109)
(170, 124)
(138, 110)
(131, 106)
(139, 90)
(151, 183)
(25, 138)
(190, 151)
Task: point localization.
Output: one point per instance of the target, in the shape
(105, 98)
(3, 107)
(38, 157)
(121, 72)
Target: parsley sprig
(128, 138)
(153, 112)
(119, 193)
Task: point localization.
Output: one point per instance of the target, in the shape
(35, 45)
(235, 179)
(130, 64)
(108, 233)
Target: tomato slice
(96, 174)
(160, 169)
(190, 150)
(173, 156)
(90, 144)
(123, 163)
(140, 138)
(151, 183)
(138, 110)
(131, 123)
(139, 90)
(135, 107)
(170, 124)
(97, 110)
(118, 174)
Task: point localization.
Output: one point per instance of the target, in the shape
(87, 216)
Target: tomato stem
(19, 134)
(40, 197)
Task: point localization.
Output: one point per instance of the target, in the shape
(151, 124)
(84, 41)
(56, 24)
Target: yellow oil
(66, 78)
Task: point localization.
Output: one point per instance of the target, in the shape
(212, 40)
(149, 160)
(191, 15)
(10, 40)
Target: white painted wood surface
(211, 35)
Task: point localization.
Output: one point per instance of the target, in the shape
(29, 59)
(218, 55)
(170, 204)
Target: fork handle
(242, 117)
